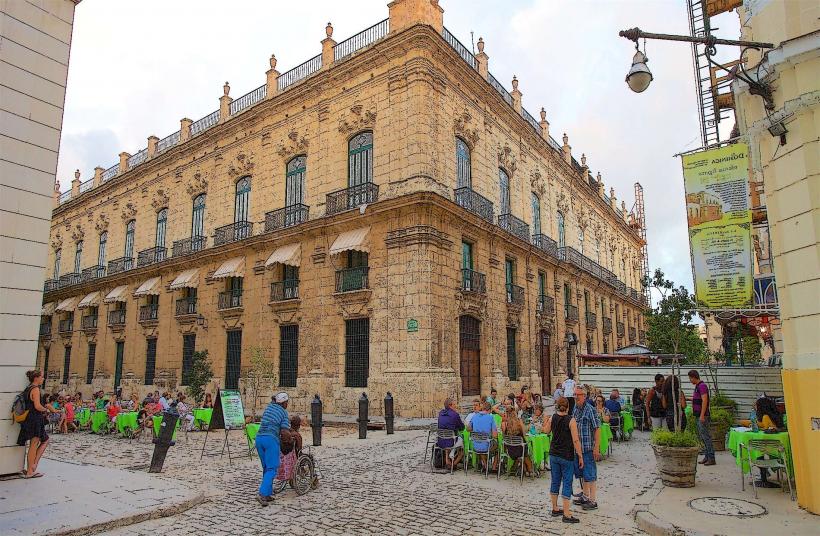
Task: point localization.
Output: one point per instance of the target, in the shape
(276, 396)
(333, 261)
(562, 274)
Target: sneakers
(578, 495)
(709, 462)
(556, 513)
(570, 519)
(580, 501)
(589, 505)
(264, 501)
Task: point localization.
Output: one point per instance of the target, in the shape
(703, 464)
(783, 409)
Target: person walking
(274, 420)
(589, 432)
(565, 445)
(700, 409)
(569, 391)
(654, 404)
(33, 429)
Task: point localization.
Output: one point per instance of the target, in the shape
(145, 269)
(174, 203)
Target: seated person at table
(449, 419)
(164, 401)
(185, 412)
(476, 410)
(637, 398)
(113, 409)
(767, 415)
(55, 417)
(524, 400)
(558, 393)
(513, 427)
(295, 425)
(99, 400)
(602, 410)
(209, 403)
(614, 407)
(484, 422)
(537, 419)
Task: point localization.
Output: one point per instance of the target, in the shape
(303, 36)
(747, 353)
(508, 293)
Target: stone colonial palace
(384, 217)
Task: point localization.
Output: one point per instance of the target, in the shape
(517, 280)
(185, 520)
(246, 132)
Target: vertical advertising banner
(720, 220)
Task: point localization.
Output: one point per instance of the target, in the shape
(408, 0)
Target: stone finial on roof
(480, 45)
(272, 61)
(543, 114)
(329, 30)
(515, 83)
(565, 139)
(226, 89)
(77, 174)
(584, 159)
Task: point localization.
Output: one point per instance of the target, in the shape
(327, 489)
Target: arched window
(198, 217)
(101, 248)
(561, 236)
(463, 173)
(162, 222)
(581, 241)
(536, 214)
(78, 258)
(129, 239)
(504, 190)
(58, 254)
(360, 159)
(242, 198)
(295, 181)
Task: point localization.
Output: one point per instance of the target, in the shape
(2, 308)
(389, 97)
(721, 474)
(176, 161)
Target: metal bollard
(163, 441)
(388, 413)
(316, 420)
(363, 420)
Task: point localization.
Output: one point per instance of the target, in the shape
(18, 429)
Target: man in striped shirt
(274, 420)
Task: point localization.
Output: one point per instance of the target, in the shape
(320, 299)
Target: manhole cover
(724, 506)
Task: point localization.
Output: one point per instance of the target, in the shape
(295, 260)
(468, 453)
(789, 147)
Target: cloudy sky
(138, 66)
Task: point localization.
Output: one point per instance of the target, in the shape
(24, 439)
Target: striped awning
(119, 294)
(48, 309)
(231, 268)
(290, 255)
(67, 305)
(91, 299)
(149, 287)
(351, 240)
(186, 279)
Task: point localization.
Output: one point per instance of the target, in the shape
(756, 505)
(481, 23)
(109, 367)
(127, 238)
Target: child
(113, 409)
(67, 424)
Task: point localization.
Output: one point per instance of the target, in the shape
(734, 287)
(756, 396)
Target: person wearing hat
(274, 420)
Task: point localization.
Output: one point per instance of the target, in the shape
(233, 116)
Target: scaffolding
(639, 224)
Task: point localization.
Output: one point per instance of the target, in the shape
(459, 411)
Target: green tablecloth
(158, 421)
(539, 447)
(202, 416)
(82, 416)
(628, 423)
(606, 436)
(251, 429)
(126, 421)
(98, 418)
(736, 437)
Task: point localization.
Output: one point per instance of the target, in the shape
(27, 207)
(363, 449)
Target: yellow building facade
(785, 155)
(384, 217)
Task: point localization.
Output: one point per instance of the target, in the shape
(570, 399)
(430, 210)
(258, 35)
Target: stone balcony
(350, 198)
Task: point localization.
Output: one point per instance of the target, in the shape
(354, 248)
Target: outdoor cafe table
(202, 416)
(738, 436)
(82, 416)
(538, 446)
(98, 417)
(126, 421)
(628, 425)
(606, 436)
(158, 421)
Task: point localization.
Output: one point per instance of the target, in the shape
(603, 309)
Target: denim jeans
(561, 472)
(705, 433)
(268, 448)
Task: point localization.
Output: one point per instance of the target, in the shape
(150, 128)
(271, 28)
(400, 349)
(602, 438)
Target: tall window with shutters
(504, 191)
(295, 181)
(360, 159)
(101, 248)
(162, 222)
(150, 360)
(562, 241)
(130, 228)
(536, 214)
(463, 170)
(58, 254)
(78, 258)
(242, 199)
(198, 216)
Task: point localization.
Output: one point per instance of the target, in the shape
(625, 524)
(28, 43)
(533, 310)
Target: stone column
(273, 78)
(225, 103)
(482, 60)
(406, 13)
(98, 171)
(152, 146)
(75, 185)
(327, 47)
(516, 95)
(184, 129)
(124, 162)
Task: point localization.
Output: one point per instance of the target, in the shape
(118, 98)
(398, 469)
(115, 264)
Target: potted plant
(722, 420)
(722, 402)
(676, 454)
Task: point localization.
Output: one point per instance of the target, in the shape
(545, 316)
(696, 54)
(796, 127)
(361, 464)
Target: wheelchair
(304, 475)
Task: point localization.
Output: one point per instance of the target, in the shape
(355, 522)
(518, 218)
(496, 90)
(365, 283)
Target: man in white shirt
(569, 391)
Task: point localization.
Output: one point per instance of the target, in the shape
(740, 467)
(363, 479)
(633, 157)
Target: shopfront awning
(354, 240)
(48, 309)
(231, 268)
(290, 255)
(186, 279)
(119, 294)
(91, 299)
(67, 305)
(149, 287)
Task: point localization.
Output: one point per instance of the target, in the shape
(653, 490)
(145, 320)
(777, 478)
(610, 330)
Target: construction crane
(638, 223)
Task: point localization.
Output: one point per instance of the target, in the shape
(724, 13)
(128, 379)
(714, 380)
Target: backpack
(19, 412)
(438, 459)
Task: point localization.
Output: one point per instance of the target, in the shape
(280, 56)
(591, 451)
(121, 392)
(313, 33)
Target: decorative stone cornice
(465, 129)
(418, 234)
(356, 119)
(473, 304)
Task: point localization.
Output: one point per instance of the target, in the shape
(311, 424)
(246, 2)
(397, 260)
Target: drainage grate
(724, 506)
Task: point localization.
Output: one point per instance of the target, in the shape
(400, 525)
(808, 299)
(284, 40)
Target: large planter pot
(730, 409)
(719, 432)
(677, 465)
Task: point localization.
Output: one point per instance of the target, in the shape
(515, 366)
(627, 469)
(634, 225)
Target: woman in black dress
(34, 427)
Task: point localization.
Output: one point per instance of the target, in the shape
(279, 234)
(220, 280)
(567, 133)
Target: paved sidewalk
(75, 498)
(680, 511)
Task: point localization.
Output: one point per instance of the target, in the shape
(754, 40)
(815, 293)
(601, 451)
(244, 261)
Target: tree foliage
(669, 327)
(261, 374)
(200, 376)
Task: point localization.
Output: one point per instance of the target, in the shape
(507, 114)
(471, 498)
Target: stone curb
(164, 511)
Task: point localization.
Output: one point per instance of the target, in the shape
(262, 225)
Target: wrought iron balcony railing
(66, 326)
(571, 313)
(185, 306)
(515, 294)
(284, 290)
(45, 330)
(151, 256)
(286, 217)
(474, 202)
(149, 313)
(545, 244)
(116, 317)
(361, 40)
(633, 293)
(606, 324)
(233, 233)
(472, 281)
(545, 305)
(89, 322)
(51, 284)
(93, 272)
(591, 320)
(230, 299)
(120, 265)
(66, 280)
(514, 225)
(352, 279)
(619, 326)
(632, 333)
(189, 245)
(350, 198)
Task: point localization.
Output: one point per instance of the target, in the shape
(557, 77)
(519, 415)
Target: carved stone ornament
(506, 159)
(198, 183)
(128, 212)
(357, 118)
(563, 203)
(57, 241)
(160, 199)
(465, 129)
(473, 304)
(242, 165)
(291, 145)
(583, 218)
(598, 231)
(102, 223)
(77, 234)
(537, 182)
